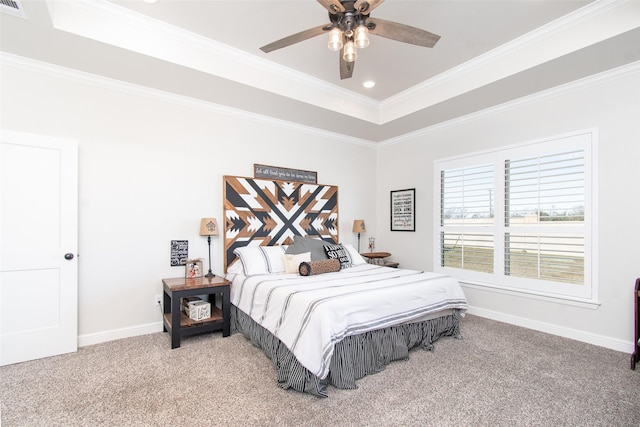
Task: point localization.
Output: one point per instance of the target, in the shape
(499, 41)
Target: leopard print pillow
(319, 267)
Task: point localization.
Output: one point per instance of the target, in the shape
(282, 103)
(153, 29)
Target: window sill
(557, 299)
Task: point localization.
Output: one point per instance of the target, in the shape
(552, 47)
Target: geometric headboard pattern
(264, 212)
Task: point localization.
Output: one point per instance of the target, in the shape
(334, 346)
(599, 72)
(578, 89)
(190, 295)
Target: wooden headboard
(265, 212)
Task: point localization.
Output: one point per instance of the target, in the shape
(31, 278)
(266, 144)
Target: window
(520, 218)
(466, 212)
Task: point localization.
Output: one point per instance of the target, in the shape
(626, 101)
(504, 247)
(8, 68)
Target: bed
(317, 309)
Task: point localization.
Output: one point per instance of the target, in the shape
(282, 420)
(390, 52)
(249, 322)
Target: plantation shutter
(521, 218)
(466, 217)
(544, 217)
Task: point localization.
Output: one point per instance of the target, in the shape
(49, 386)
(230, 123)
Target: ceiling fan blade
(294, 38)
(366, 6)
(403, 33)
(346, 68)
(333, 6)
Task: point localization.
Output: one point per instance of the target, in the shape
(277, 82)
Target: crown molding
(596, 79)
(7, 59)
(588, 25)
(95, 19)
(28, 64)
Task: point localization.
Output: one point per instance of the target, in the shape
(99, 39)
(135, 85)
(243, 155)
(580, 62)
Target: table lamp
(209, 227)
(358, 227)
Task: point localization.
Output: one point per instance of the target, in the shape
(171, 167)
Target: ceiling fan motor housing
(348, 20)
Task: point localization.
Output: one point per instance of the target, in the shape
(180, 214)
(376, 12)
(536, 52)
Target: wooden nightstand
(378, 258)
(178, 324)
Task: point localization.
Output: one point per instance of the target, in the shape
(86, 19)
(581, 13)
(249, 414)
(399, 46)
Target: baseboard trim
(595, 339)
(116, 334)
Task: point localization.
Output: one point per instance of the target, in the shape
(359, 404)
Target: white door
(38, 244)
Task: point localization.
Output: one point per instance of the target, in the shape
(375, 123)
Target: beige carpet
(498, 375)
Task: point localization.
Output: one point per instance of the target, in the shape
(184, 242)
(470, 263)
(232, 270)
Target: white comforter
(311, 314)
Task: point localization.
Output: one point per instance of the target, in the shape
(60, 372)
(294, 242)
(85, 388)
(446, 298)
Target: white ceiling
(490, 52)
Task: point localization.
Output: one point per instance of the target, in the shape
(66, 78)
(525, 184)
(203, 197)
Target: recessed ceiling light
(369, 84)
(150, 1)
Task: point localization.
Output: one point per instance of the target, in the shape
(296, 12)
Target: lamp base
(209, 275)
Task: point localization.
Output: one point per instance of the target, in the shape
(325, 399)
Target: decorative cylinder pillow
(319, 267)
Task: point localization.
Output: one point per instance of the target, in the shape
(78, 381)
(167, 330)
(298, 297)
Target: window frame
(588, 292)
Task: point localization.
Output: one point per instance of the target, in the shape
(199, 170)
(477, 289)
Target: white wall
(610, 103)
(150, 166)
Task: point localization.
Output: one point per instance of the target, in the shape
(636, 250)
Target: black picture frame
(403, 210)
(179, 252)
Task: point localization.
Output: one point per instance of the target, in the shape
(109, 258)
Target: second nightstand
(378, 258)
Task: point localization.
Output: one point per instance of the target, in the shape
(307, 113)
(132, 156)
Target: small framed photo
(193, 269)
(403, 210)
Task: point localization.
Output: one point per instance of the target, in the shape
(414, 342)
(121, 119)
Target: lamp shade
(208, 227)
(358, 226)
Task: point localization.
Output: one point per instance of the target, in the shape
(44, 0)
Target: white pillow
(274, 258)
(356, 258)
(235, 268)
(261, 259)
(292, 261)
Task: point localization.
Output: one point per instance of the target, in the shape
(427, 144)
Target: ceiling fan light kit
(349, 30)
(358, 39)
(361, 36)
(335, 39)
(350, 52)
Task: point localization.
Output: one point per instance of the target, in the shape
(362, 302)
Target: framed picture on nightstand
(193, 269)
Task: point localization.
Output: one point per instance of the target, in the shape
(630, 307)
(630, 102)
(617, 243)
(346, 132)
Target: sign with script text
(284, 174)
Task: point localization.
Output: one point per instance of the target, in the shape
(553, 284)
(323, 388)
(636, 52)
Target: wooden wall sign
(284, 174)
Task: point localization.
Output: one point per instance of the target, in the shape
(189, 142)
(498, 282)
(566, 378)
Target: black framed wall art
(403, 210)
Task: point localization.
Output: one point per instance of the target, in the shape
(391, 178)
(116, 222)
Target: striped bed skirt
(353, 357)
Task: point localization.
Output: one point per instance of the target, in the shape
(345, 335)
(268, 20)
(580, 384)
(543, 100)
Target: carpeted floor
(498, 375)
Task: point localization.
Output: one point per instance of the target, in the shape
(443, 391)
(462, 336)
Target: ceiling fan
(349, 30)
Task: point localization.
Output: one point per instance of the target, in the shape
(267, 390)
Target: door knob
(68, 256)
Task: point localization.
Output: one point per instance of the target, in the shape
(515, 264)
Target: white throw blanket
(311, 314)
